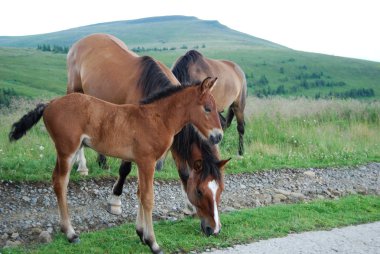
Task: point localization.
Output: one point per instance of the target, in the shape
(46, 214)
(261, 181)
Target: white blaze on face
(213, 186)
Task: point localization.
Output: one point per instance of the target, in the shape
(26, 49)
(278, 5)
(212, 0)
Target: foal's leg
(144, 222)
(114, 201)
(82, 167)
(60, 181)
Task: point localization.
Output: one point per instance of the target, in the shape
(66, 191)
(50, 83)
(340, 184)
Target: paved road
(351, 240)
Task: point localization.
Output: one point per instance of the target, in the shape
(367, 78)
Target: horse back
(101, 123)
(231, 83)
(102, 66)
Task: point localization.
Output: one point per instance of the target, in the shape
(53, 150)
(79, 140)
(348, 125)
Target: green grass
(32, 73)
(280, 133)
(238, 227)
(35, 74)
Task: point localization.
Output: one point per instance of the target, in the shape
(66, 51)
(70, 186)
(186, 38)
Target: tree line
(144, 49)
(53, 48)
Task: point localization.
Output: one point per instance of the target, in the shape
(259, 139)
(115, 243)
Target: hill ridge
(168, 29)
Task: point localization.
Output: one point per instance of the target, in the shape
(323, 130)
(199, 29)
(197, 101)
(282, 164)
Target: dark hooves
(74, 239)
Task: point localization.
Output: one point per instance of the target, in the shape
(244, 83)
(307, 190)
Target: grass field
(287, 73)
(280, 133)
(238, 227)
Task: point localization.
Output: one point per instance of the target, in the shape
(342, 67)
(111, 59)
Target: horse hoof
(74, 239)
(83, 172)
(114, 209)
(239, 157)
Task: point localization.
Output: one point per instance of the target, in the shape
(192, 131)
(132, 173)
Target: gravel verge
(29, 213)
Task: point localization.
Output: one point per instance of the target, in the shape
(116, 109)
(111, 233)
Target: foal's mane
(165, 92)
(181, 68)
(152, 77)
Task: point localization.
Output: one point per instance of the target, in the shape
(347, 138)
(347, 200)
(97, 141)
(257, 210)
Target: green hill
(166, 31)
(271, 69)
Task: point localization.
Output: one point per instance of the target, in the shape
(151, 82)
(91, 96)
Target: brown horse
(138, 133)
(102, 66)
(230, 91)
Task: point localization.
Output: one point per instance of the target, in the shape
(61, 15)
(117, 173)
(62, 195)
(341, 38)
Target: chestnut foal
(138, 133)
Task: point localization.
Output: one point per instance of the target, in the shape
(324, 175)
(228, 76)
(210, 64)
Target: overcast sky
(335, 27)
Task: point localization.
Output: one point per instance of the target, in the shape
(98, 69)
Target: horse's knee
(147, 203)
(240, 128)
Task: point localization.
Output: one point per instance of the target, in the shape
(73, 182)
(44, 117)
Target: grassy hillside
(270, 68)
(35, 73)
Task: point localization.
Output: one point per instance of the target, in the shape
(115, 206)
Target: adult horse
(138, 133)
(102, 66)
(230, 91)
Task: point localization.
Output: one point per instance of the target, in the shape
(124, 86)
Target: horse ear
(198, 165)
(222, 163)
(207, 84)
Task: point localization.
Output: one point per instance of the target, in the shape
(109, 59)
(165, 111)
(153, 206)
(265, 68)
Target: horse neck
(174, 109)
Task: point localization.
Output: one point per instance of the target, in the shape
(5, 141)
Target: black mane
(165, 92)
(180, 69)
(155, 85)
(152, 77)
(182, 145)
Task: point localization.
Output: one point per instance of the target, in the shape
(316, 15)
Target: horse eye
(207, 109)
(199, 192)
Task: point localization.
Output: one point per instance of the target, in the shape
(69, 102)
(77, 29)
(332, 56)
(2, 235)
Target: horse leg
(160, 163)
(222, 121)
(239, 113)
(102, 161)
(114, 201)
(229, 117)
(145, 194)
(82, 167)
(60, 181)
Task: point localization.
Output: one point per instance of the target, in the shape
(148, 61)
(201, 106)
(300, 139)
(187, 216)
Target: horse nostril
(220, 136)
(215, 139)
(209, 231)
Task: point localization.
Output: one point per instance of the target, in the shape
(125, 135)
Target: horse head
(204, 188)
(204, 116)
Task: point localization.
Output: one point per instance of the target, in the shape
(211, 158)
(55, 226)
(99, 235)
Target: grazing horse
(138, 133)
(230, 91)
(102, 66)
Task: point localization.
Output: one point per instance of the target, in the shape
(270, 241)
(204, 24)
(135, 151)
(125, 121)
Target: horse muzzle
(216, 136)
(208, 230)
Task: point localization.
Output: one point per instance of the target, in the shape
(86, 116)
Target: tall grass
(300, 133)
(280, 133)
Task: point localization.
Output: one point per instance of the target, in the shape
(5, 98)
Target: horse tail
(26, 122)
